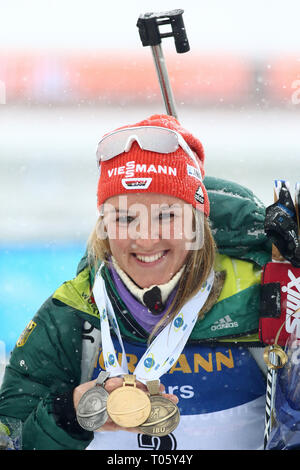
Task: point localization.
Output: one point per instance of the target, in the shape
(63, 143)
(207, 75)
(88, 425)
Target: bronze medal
(164, 416)
(128, 406)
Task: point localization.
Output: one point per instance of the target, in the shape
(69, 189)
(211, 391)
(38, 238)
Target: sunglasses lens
(154, 139)
(161, 140)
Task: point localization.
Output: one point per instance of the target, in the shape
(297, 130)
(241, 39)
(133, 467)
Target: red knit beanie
(174, 174)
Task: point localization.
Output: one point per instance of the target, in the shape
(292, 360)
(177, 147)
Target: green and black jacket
(46, 363)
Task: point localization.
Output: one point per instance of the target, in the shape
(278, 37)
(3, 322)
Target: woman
(152, 271)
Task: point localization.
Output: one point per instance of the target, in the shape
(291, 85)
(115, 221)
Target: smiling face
(148, 235)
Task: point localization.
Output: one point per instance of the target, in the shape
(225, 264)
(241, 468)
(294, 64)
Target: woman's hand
(110, 385)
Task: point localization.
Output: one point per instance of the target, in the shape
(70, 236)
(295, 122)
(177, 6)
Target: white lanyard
(166, 347)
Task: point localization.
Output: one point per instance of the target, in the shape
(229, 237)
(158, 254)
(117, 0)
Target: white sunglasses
(152, 138)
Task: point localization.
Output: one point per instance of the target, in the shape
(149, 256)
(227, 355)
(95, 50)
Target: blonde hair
(198, 265)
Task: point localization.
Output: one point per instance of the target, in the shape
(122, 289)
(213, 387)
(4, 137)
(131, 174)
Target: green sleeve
(237, 221)
(46, 362)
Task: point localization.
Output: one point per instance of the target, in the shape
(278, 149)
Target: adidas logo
(225, 322)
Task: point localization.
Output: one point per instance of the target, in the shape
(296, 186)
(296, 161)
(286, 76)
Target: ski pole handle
(150, 35)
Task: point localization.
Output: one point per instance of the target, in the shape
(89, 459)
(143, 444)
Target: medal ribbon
(166, 347)
(107, 318)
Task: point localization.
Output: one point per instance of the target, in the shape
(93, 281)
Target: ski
(283, 228)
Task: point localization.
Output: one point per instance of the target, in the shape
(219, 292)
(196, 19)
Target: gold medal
(164, 416)
(128, 406)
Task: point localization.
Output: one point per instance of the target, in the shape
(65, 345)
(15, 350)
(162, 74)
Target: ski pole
(270, 398)
(150, 35)
(275, 358)
(297, 207)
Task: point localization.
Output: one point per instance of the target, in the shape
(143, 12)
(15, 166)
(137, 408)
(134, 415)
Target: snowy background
(48, 169)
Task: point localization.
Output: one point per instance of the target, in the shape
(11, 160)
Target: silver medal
(91, 411)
